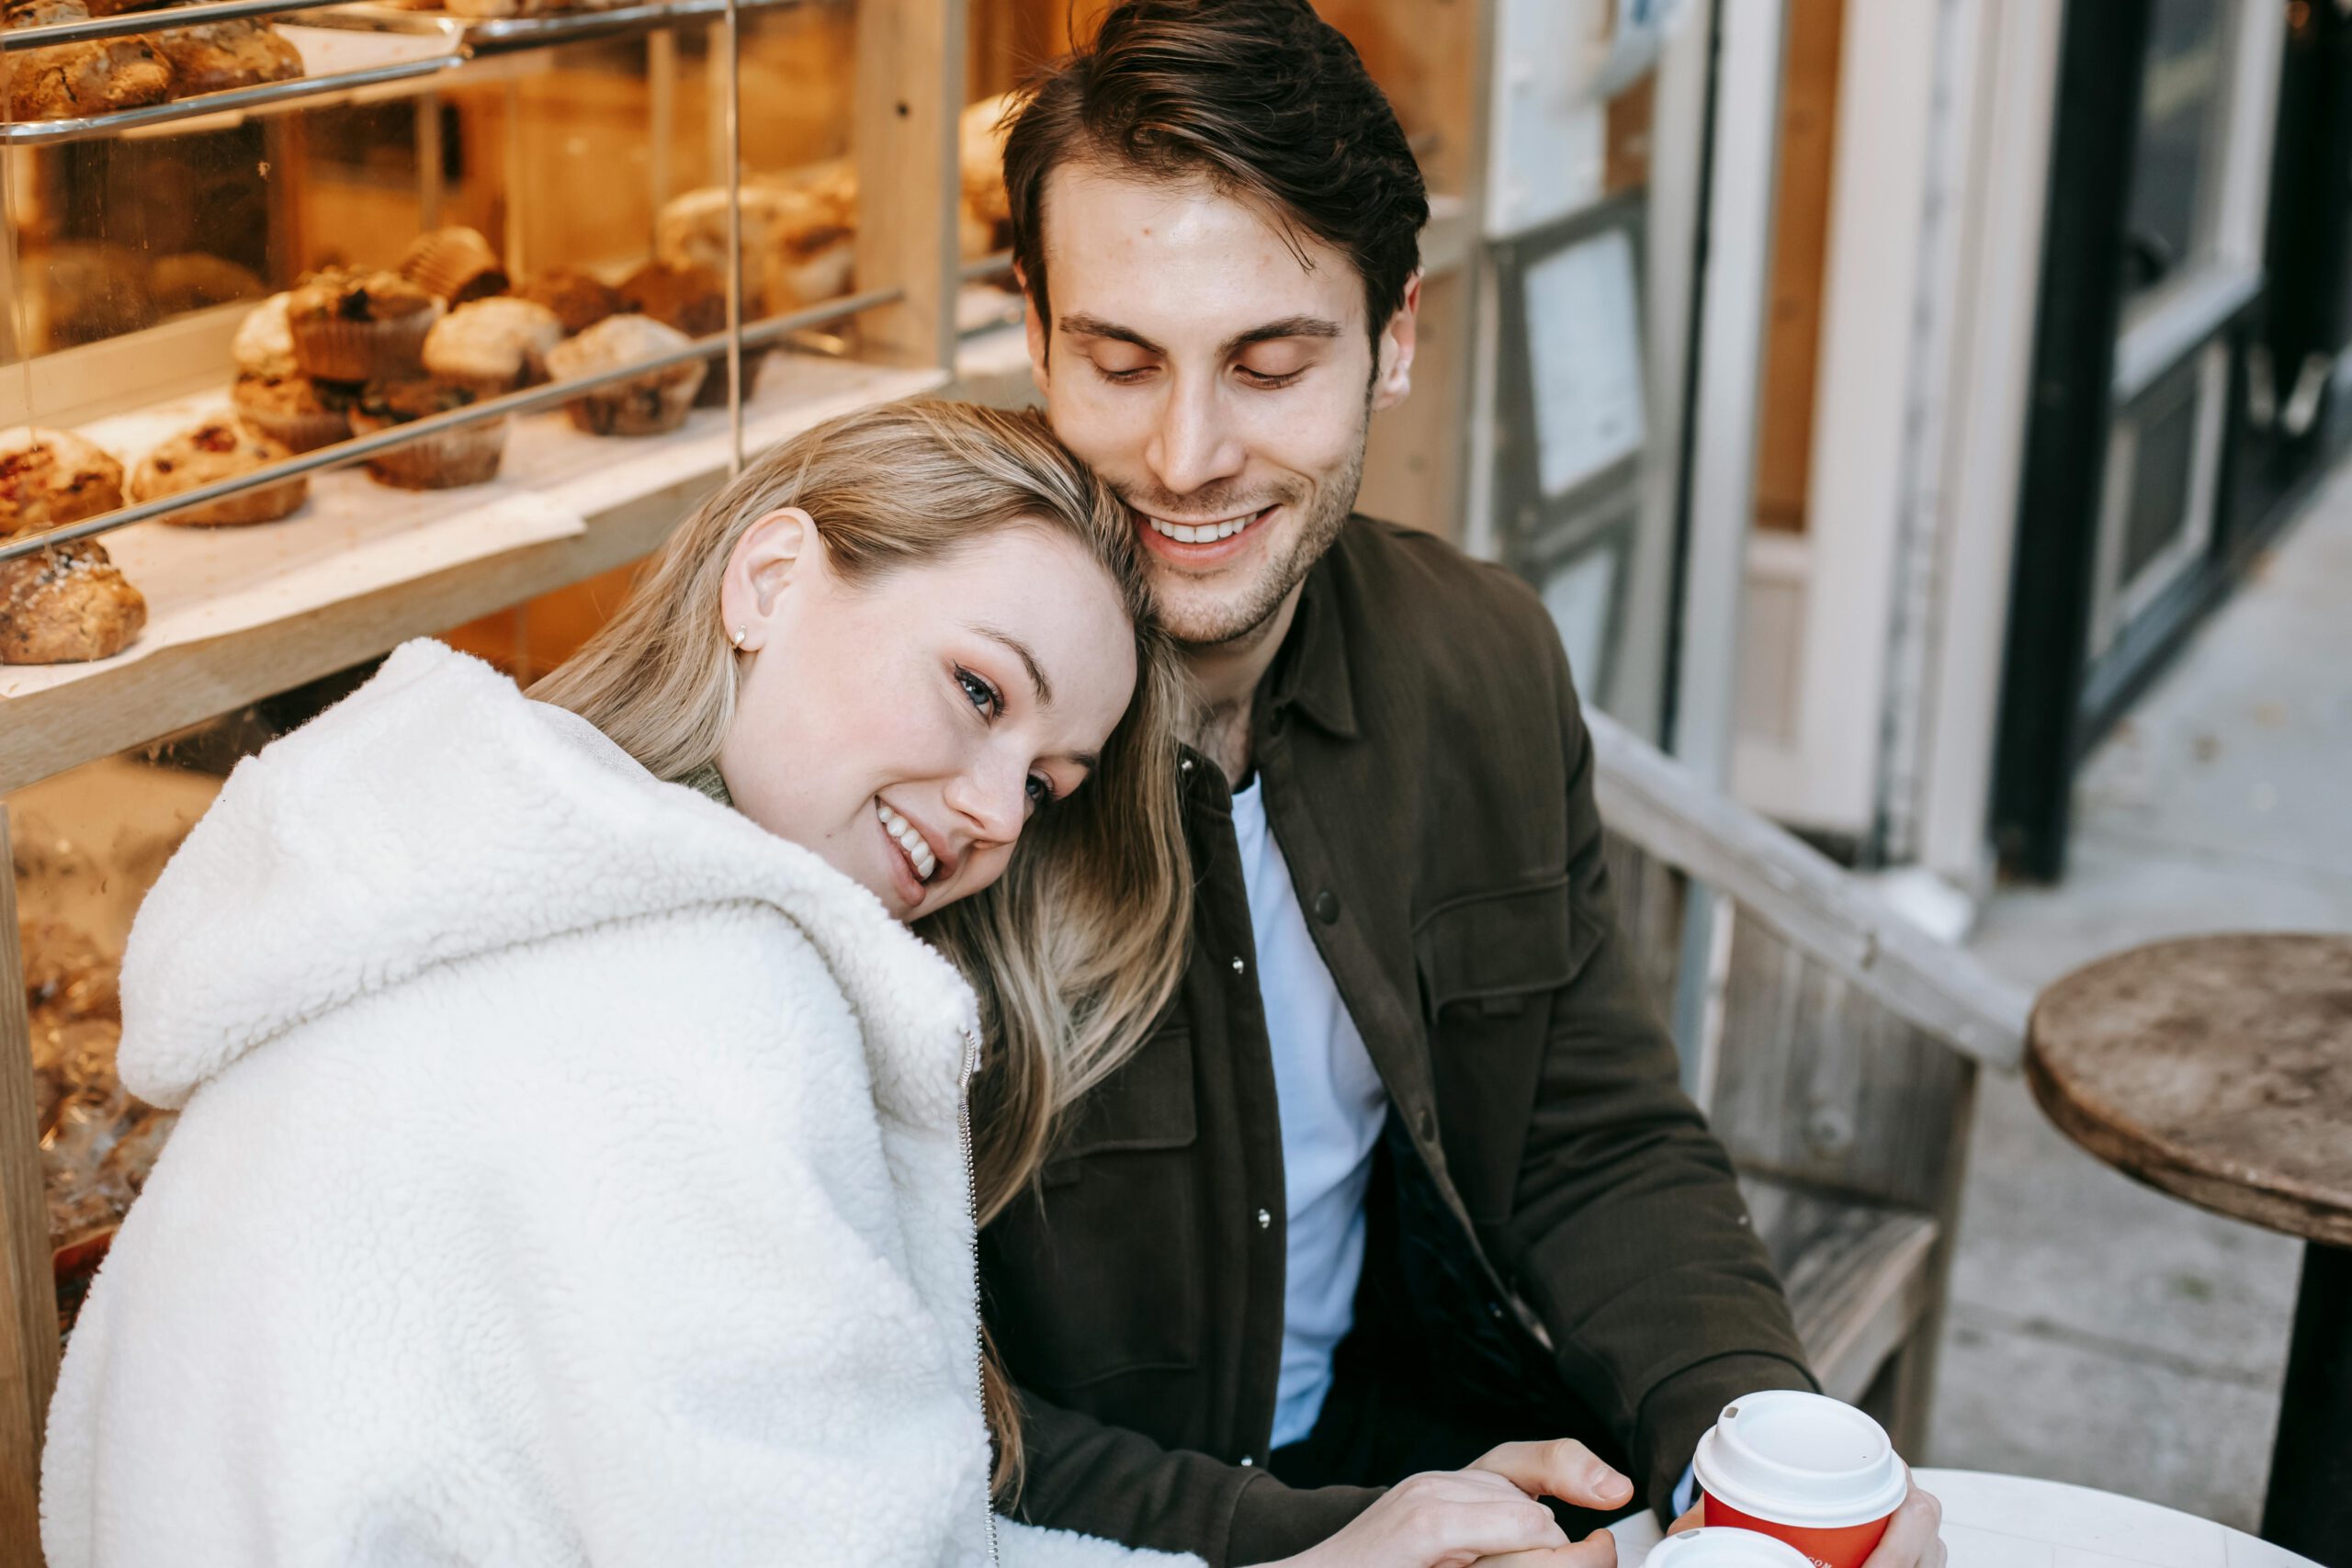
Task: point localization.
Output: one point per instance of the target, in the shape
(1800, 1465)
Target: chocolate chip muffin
(468, 455)
(351, 325)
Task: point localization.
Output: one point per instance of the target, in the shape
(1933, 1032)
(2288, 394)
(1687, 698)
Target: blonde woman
(576, 1165)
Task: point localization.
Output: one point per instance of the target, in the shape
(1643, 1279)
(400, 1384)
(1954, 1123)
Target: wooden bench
(1836, 1052)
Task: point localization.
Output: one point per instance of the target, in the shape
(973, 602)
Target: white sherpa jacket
(570, 1175)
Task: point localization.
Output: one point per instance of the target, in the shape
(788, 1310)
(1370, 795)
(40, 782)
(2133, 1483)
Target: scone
(643, 405)
(579, 301)
(213, 57)
(694, 300)
(65, 605)
(352, 325)
(218, 449)
(468, 455)
(50, 477)
(69, 81)
(493, 345)
(458, 265)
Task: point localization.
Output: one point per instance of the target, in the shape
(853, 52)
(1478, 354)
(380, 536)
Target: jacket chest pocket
(1098, 1274)
(1489, 965)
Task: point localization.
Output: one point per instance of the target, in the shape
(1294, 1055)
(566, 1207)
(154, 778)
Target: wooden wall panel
(1799, 262)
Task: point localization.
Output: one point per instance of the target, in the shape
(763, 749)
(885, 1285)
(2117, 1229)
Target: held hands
(1911, 1538)
(1485, 1516)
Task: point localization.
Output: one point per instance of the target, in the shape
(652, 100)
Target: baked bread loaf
(643, 405)
(65, 605)
(218, 449)
(69, 81)
(213, 57)
(50, 477)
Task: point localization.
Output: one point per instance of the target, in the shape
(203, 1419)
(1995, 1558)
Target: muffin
(468, 455)
(579, 301)
(50, 477)
(297, 413)
(218, 449)
(65, 605)
(69, 81)
(265, 342)
(213, 57)
(350, 325)
(194, 281)
(652, 404)
(694, 300)
(458, 265)
(493, 345)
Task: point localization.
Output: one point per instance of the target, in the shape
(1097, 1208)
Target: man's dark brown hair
(1260, 96)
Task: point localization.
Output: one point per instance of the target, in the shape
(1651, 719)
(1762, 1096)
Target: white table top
(2011, 1521)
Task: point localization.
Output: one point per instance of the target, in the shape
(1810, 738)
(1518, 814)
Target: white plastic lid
(1801, 1459)
(1721, 1547)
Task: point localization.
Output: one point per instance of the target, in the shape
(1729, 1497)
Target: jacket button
(1184, 765)
(1239, 967)
(1246, 1461)
(1495, 1311)
(1265, 1219)
(1326, 907)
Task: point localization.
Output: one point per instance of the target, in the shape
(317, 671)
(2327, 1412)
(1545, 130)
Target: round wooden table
(2011, 1521)
(2219, 1069)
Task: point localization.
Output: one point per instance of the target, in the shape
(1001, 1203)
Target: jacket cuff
(1271, 1520)
(1678, 1412)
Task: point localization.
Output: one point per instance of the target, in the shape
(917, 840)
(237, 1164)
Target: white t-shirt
(1332, 1106)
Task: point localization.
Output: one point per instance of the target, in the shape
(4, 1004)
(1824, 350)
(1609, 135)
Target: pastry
(218, 449)
(798, 238)
(456, 263)
(298, 414)
(213, 57)
(69, 81)
(979, 156)
(86, 291)
(66, 603)
(493, 345)
(194, 281)
(50, 477)
(351, 325)
(468, 455)
(643, 405)
(579, 301)
(694, 300)
(265, 343)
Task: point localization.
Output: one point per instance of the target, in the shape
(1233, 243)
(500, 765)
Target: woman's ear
(774, 554)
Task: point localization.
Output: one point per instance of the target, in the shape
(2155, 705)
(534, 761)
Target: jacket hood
(438, 814)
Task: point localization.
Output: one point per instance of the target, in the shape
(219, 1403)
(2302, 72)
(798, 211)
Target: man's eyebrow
(1043, 688)
(1289, 326)
(1080, 324)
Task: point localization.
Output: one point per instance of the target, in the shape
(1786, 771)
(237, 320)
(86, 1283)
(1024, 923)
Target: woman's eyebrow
(1037, 682)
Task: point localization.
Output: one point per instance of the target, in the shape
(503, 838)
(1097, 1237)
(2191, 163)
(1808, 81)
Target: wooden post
(909, 90)
(28, 1293)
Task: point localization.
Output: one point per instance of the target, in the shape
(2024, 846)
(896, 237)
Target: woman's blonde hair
(1079, 945)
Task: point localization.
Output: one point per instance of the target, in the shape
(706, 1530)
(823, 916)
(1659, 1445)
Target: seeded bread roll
(50, 477)
(66, 605)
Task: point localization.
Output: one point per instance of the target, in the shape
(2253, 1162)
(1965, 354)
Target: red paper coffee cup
(1815, 1474)
(1714, 1546)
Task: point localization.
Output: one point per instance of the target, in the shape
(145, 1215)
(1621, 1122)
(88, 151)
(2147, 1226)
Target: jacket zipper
(972, 1199)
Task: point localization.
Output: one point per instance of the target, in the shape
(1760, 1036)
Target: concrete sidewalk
(2101, 1332)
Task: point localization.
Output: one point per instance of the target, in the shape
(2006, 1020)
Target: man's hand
(1911, 1539)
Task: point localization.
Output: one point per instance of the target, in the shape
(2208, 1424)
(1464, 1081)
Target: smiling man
(1405, 1172)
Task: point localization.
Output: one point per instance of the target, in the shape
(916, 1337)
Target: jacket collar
(1311, 672)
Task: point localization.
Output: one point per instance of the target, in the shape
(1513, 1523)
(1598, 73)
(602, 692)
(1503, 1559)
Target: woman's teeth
(918, 852)
(1204, 533)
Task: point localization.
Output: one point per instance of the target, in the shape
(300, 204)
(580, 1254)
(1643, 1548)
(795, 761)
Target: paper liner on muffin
(467, 455)
(337, 348)
(456, 263)
(304, 429)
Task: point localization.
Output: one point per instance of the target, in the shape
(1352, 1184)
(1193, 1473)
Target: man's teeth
(1202, 533)
(917, 850)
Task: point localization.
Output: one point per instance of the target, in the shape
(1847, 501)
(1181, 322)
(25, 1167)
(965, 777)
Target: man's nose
(1195, 444)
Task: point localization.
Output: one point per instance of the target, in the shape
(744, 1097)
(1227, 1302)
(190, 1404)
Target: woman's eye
(982, 696)
(1041, 792)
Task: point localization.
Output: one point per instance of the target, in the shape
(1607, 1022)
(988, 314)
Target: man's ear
(1032, 322)
(773, 554)
(1394, 381)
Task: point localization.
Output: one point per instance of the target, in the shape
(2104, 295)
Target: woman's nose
(993, 800)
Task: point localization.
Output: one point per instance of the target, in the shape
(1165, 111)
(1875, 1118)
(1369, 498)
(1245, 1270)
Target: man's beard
(1213, 625)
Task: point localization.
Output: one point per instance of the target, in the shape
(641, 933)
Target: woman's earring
(737, 639)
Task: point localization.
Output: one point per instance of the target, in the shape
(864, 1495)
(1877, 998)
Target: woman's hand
(1486, 1515)
(1912, 1539)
